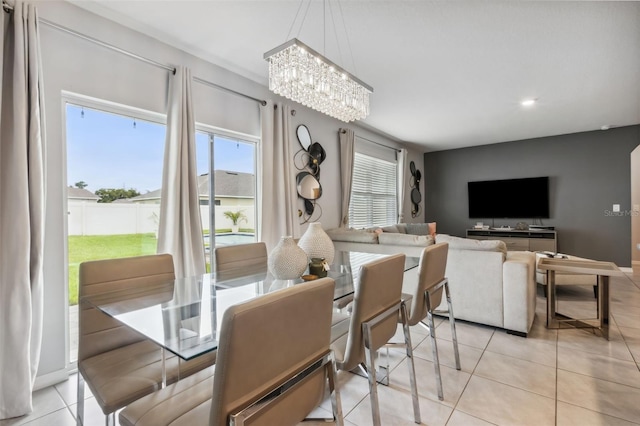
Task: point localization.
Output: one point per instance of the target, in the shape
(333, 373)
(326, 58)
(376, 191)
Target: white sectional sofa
(409, 239)
(490, 285)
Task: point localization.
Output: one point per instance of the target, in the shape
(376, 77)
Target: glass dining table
(184, 315)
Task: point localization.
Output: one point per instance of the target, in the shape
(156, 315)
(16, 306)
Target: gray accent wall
(588, 173)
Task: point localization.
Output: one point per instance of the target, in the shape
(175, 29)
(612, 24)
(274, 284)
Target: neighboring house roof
(74, 193)
(230, 184)
(227, 184)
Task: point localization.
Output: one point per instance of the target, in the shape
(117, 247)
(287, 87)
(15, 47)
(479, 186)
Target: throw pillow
(432, 229)
(418, 228)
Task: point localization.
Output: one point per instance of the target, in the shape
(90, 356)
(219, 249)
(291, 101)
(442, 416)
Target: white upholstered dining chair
(118, 364)
(425, 295)
(240, 256)
(374, 317)
(274, 363)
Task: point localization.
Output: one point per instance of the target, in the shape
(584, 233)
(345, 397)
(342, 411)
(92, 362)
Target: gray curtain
(347, 142)
(277, 213)
(180, 229)
(22, 201)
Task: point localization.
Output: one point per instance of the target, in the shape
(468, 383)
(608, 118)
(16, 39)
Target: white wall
(140, 218)
(111, 219)
(78, 66)
(635, 201)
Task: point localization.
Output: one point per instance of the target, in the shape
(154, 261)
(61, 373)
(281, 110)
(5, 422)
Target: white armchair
(490, 285)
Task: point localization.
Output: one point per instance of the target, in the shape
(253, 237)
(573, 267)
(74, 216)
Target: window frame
(212, 132)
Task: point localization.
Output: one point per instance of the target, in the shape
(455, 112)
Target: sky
(107, 151)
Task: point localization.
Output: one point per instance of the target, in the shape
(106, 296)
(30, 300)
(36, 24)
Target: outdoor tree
(109, 195)
(82, 184)
(235, 217)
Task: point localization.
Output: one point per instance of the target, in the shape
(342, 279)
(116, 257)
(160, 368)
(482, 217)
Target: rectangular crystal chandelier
(303, 75)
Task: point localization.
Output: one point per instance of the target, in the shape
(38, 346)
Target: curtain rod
(374, 142)
(8, 8)
(107, 45)
(147, 60)
(226, 89)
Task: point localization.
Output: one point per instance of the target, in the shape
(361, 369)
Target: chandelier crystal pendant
(303, 75)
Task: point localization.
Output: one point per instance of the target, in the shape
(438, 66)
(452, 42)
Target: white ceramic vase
(316, 243)
(287, 261)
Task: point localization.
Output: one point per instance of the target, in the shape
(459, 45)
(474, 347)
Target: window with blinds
(373, 192)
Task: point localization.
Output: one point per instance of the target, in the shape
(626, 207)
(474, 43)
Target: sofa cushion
(405, 239)
(352, 235)
(390, 228)
(457, 243)
(402, 227)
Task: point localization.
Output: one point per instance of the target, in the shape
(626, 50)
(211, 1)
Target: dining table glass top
(184, 315)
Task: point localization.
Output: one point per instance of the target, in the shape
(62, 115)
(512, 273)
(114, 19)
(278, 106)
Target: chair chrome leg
(80, 401)
(362, 370)
(452, 321)
(370, 355)
(412, 370)
(436, 358)
(110, 419)
(336, 403)
(434, 348)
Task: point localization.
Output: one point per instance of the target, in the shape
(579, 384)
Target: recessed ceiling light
(528, 102)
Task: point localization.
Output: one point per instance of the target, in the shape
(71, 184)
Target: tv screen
(509, 198)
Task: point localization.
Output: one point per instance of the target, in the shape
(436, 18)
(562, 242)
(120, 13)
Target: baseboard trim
(50, 379)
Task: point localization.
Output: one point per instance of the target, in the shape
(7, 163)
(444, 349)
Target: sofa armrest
(475, 281)
(519, 291)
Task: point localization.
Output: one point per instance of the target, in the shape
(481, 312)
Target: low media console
(531, 240)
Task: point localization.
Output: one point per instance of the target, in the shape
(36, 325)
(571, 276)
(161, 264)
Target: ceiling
(446, 74)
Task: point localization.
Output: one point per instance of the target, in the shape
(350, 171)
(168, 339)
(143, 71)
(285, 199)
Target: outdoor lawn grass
(95, 247)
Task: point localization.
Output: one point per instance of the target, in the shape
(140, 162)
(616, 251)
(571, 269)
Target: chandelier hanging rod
(296, 42)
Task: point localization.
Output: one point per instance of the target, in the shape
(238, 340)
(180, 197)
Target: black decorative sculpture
(308, 180)
(416, 198)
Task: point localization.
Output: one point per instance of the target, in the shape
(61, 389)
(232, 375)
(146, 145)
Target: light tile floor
(553, 377)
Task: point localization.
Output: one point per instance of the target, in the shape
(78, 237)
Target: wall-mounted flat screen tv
(509, 198)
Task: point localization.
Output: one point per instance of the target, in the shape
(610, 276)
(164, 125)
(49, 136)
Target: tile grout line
(470, 377)
(598, 412)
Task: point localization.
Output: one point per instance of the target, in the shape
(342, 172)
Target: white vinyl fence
(115, 218)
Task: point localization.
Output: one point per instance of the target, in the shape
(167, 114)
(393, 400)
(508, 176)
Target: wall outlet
(616, 207)
(638, 246)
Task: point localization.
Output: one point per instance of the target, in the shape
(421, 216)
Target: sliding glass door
(115, 156)
(114, 178)
(226, 175)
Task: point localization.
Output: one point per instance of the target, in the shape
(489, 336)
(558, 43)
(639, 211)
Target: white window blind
(373, 192)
